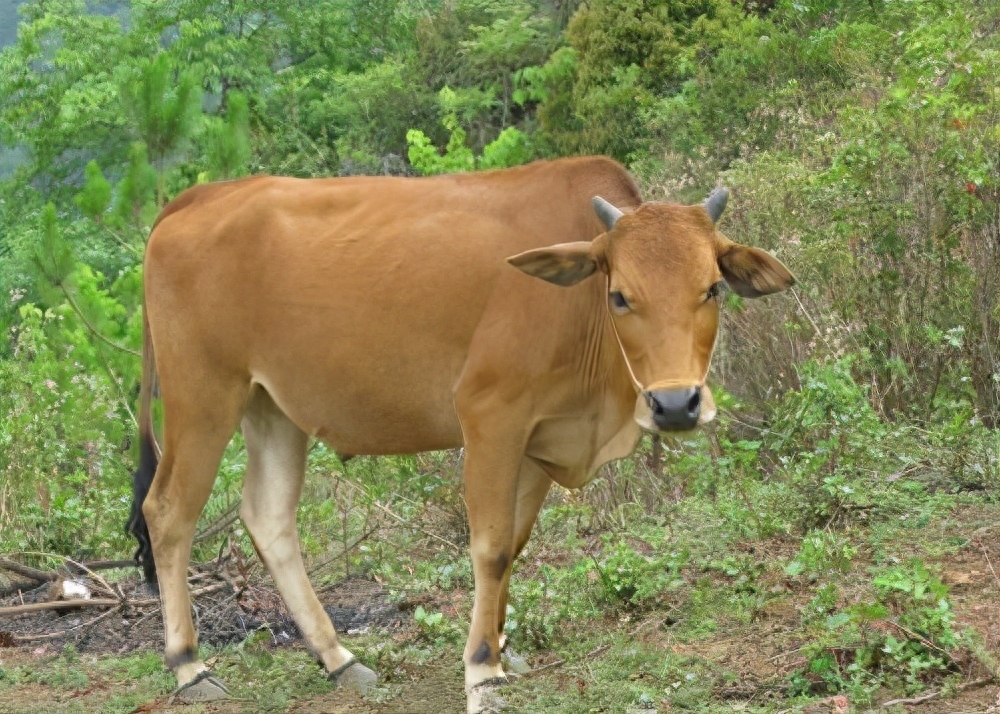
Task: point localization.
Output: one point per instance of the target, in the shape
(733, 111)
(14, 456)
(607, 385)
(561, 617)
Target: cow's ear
(562, 264)
(752, 272)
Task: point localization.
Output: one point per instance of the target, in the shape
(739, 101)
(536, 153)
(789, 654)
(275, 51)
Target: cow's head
(664, 267)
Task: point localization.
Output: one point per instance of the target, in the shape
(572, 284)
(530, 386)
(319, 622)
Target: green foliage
(511, 148)
(57, 93)
(425, 158)
(61, 436)
(137, 189)
(94, 198)
(434, 628)
(53, 258)
(631, 578)
(228, 140)
(825, 436)
(627, 53)
(822, 552)
(904, 637)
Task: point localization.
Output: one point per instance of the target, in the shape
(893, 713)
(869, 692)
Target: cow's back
(353, 301)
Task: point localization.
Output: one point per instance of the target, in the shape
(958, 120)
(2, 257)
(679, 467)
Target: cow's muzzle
(675, 409)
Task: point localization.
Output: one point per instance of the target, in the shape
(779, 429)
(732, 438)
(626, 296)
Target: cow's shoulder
(595, 175)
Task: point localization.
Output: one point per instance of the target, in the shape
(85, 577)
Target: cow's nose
(675, 409)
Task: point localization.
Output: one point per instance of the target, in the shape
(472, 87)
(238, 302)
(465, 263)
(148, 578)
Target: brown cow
(388, 316)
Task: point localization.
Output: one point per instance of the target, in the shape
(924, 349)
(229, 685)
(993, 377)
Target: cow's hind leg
(197, 429)
(276, 458)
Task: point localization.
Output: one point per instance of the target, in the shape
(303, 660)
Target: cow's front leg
(533, 485)
(490, 477)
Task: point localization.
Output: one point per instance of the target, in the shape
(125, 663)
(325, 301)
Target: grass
(727, 629)
(741, 583)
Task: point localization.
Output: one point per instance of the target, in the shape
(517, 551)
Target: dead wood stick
(226, 519)
(321, 565)
(52, 635)
(101, 581)
(99, 602)
(70, 604)
(989, 562)
(109, 565)
(598, 651)
(931, 695)
(536, 670)
(39, 576)
(915, 700)
(400, 519)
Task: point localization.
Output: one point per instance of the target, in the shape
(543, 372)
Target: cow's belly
(369, 372)
(365, 406)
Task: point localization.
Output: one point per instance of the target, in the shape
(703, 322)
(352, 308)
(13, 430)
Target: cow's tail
(148, 458)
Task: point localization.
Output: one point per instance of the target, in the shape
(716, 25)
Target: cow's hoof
(205, 687)
(484, 698)
(354, 675)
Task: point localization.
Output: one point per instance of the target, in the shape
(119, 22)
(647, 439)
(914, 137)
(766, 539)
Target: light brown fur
(380, 315)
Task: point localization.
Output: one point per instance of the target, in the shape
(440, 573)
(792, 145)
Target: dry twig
(39, 576)
(408, 524)
(913, 700)
(936, 693)
(224, 520)
(59, 633)
(71, 604)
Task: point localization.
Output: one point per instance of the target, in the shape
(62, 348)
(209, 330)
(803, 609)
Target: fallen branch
(536, 670)
(400, 519)
(71, 604)
(936, 693)
(914, 700)
(39, 576)
(97, 578)
(32, 577)
(598, 651)
(107, 565)
(226, 519)
(53, 635)
(99, 602)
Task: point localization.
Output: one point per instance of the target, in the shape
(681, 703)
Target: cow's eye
(618, 303)
(715, 292)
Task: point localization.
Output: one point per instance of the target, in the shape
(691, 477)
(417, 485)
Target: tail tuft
(141, 481)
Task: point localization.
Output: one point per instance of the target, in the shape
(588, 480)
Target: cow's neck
(611, 390)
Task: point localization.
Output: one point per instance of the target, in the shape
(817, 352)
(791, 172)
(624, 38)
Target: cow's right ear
(752, 272)
(562, 264)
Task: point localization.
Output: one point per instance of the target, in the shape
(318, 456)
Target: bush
(63, 481)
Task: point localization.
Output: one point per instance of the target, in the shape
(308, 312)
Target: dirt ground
(225, 616)
(355, 606)
(760, 653)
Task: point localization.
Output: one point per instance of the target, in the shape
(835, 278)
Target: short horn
(608, 214)
(715, 204)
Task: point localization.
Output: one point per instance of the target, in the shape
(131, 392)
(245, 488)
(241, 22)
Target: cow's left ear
(752, 272)
(562, 264)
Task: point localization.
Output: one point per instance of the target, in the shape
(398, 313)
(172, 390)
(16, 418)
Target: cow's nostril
(694, 402)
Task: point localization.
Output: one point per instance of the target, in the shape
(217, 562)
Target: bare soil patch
(227, 611)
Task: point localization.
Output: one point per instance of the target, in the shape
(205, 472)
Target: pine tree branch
(83, 318)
